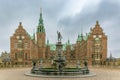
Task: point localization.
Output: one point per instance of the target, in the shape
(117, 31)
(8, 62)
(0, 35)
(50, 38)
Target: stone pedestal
(59, 48)
(59, 59)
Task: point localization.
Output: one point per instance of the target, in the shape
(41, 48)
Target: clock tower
(41, 37)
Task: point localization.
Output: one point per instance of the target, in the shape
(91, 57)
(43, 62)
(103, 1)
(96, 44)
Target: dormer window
(94, 36)
(22, 37)
(17, 37)
(100, 36)
(19, 41)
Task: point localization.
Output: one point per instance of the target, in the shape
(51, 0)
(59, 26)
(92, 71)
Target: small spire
(41, 19)
(97, 23)
(86, 34)
(20, 25)
(82, 33)
(40, 27)
(78, 35)
(82, 36)
(47, 42)
(68, 42)
(91, 29)
(110, 55)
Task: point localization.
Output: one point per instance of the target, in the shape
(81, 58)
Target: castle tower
(20, 46)
(41, 37)
(97, 45)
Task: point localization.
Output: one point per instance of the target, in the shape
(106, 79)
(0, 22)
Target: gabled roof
(81, 37)
(97, 29)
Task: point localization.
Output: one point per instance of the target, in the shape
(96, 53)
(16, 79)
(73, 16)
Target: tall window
(25, 56)
(19, 45)
(20, 54)
(15, 45)
(26, 45)
(15, 55)
(97, 48)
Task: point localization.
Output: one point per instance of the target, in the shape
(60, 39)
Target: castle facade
(24, 48)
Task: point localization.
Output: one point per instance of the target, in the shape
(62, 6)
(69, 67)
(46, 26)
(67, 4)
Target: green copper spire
(41, 19)
(47, 42)
(68, 43)
(79, 38)
(82, 36)
(40, 27)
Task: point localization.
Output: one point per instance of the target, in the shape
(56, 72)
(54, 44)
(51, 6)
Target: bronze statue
(59, 36)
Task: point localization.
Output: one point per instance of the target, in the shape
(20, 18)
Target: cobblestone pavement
(18, 74)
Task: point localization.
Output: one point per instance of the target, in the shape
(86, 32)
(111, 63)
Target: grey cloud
(53, 8)
(27, 11)
(106, 11)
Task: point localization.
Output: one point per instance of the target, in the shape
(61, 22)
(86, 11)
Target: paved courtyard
(18, 74)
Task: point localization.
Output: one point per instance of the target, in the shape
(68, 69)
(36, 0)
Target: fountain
(60, 62)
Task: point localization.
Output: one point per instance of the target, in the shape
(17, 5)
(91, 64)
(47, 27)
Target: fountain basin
(65, 72)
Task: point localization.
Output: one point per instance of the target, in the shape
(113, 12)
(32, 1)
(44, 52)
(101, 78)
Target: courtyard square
(18, 74)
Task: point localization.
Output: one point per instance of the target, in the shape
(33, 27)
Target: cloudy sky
(70, 17)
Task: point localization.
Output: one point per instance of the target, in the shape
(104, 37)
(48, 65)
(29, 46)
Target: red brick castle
(24, 48)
